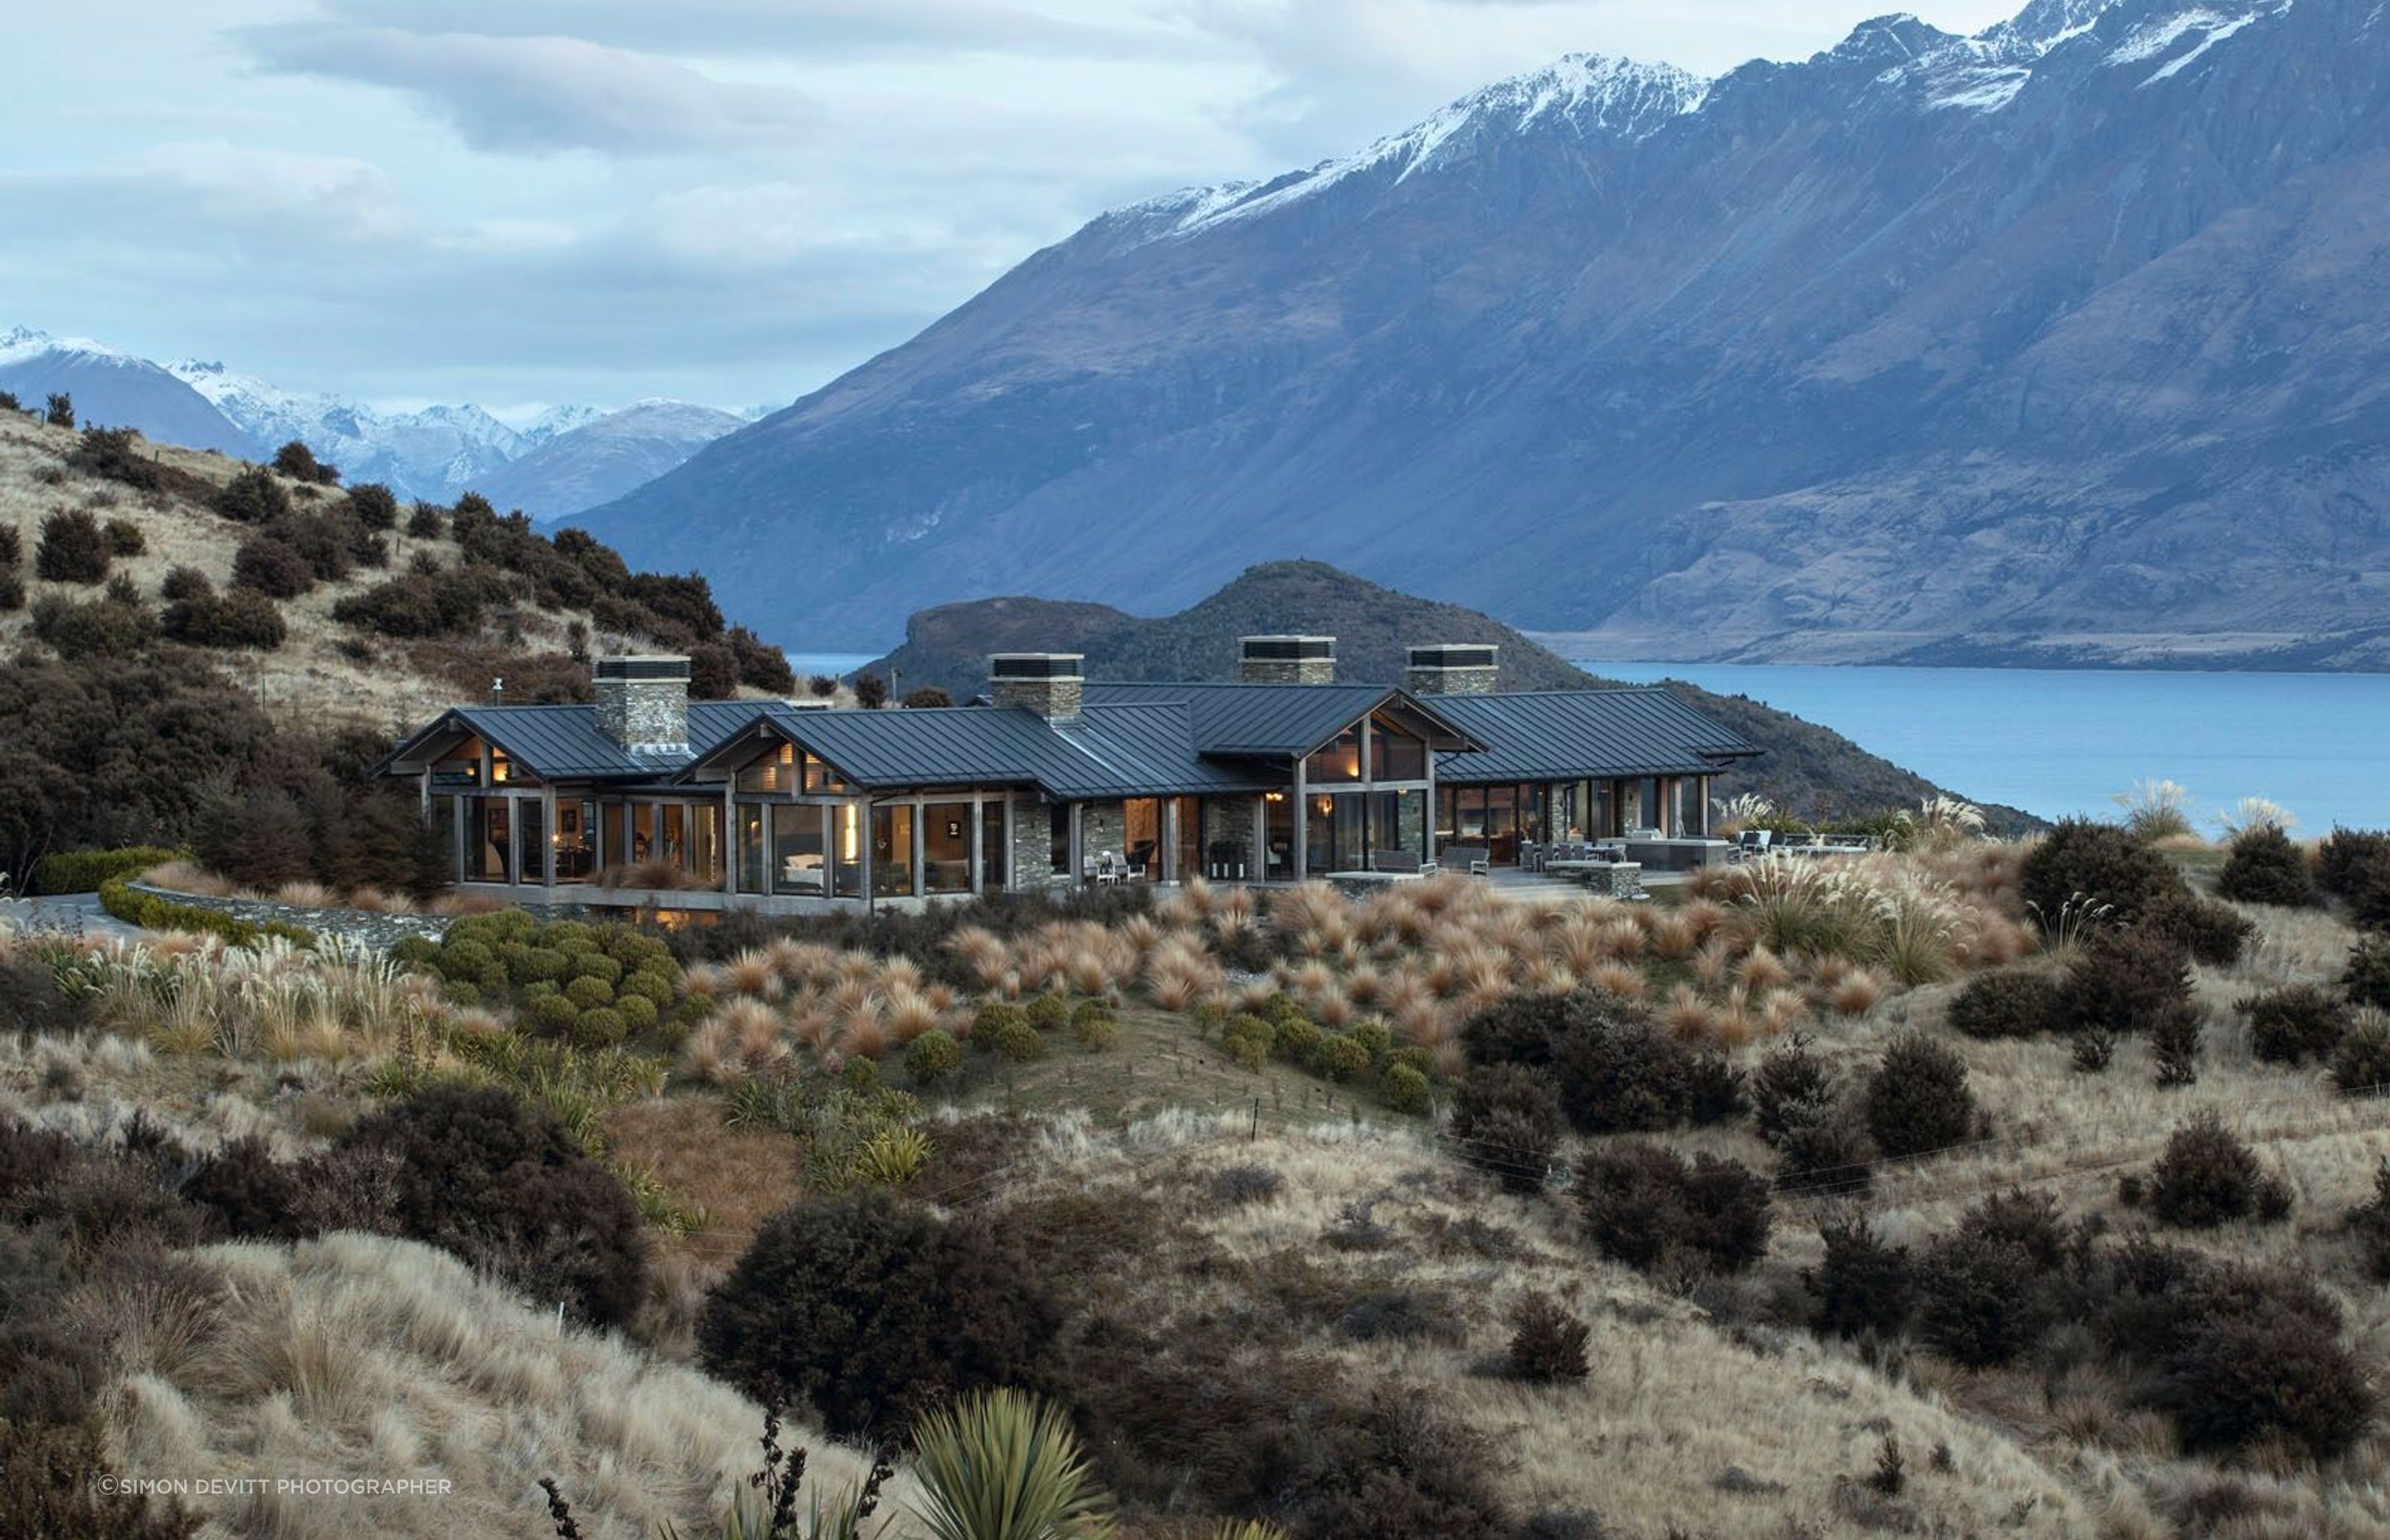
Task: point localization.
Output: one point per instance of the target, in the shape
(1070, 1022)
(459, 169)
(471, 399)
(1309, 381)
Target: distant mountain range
(566, 459)
(1807, 770)
(2067, 341)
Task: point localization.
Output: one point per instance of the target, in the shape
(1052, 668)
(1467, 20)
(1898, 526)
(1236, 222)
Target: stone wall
(365, 928)
(1032, 859)
(1104, 827)
(1229, 818)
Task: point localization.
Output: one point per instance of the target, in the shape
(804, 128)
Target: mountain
(1808, 769)
(605, 455)
(115, 389)
(2064, 339)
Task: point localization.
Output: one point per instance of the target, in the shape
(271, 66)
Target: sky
(528, 202)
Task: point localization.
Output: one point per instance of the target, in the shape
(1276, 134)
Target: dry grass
(357, 1355)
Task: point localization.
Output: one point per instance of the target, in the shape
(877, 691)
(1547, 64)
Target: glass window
(1341, 761)
(1058, 840)
(444, 829)
(819, 777)
(892, 852)
(1277, 836)
(1395, 755)
(489, 848)
(1189, 854)
(946, 847)
(773, 774)
(576, 838)
(1447, 809)
(531, 838)
(991, 848)
(1141, 835)
(706, 858)
(1502, 825)
(797, 864)
(846, 851)
(750, 848)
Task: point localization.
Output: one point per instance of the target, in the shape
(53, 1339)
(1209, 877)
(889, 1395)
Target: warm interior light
(846, 842)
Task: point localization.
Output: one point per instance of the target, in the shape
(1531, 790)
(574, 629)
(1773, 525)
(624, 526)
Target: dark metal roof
(1140, 749)
(1272, 719)
(1563, 735)
(565, 742)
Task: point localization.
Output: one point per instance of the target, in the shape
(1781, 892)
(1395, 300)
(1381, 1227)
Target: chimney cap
(667, 666)
(1455, 655)
(1287, 648)
(1035, 666)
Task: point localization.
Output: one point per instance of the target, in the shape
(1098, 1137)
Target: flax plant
(1005, 1465)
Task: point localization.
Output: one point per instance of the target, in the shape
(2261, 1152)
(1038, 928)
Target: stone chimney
(1290, 659)
(1453, 668)
(643, 701)
(1047, 682)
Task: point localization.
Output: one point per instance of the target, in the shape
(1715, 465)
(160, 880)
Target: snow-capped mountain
(2069, 334)
(606, 457)
(115, 388)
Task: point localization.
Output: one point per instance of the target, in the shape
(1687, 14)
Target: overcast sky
(530, 202)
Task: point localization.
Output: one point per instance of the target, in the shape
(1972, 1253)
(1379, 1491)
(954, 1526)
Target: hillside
(603, 459)
(1808, 770)
(2059, 342)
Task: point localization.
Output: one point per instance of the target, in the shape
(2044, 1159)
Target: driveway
(75, 913)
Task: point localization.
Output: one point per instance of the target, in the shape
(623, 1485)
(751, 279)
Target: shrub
(2361, 1061)
(1340, 1058)
(12, 592)
(1618, 1071)
(601, 1028)
(2011, 1002)
(415, 606)
(2080, 861)
(123, 537)
(499, 1182)
(2295, 1023)
(536, 965)
(272, 567)
(425, 523)
(874, 1312)
(1095, 1033)
(552, 1014)
(1507, 1121)
(2174, 1044)
(84, 871)
(1980, 1299)
(249, 1192)
(2369, 1223)
(2366, 978)
(2207, 1178)
(12, 548)
(1645, 1206)
(2268, 1374)
(1863, 1284)
(589, 994)
(927, 697)
(2211, 933)
(72, 550)
(2266, 867)
(604, 969)
(298, 462)
(1917, 1100)
(2125, 981)
(1828, 1154)
(1547, 1341)
(1405, 1088)
(373, 506)
(2351, 863)
(243, 618)
(1048, 1012)
(1248, 1039)
(254, 497)
(1792, 1088)
(58, 411)
(871, 691)
(1296, 1037)
(1017, 1042)
(931, 1057)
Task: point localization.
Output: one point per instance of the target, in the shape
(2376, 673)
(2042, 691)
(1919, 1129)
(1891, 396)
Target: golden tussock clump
(1857, 993)
(1711, 965)
(1684, 1014)
(1674, 936)
(1763, 969)
(1624, 979)
(909, 1013)
(753, 973)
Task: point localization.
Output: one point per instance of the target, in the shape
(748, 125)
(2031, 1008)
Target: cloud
(210, 192)
(544, 95)
(813, 27)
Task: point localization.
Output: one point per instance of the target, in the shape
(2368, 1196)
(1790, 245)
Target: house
(647, 798)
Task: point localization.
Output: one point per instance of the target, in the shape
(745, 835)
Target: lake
(2063, 741)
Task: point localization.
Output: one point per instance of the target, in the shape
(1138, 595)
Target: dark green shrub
(873, 1312)
(243, 618)
(1017, 1042)
(2211, 933)
(1048, 1012)
(1917, 1100)
(272, 567)
(638, 1013)
(82, 871)
(12, 592)
(425, 523)
(1828, 1154)
(372, 506)
(871, 691)
(107, 628)
(1981, 1299)
(2361, 1061)
(2350, 862)
(2174, 1044)
(123, 537)
(1507, 1121)
(249, 1193)
(2266, 867)
(601, 1027)
(2124, 980)
(1340, 1058)
(58, 411)
(253, 497)
(115, 454)
(1405, 1088)
(186, 582)
(551, 1014)
(589, 994)
(1519, 1029)
(64, 1484)
(607, 969)
(442, 604)
(1547, 1341)
(2368, 1225)
(1296, 1038)
(1792, 1088)
(2263, 1375)
(2295, 1023)
(2366, 979)
(2207, 1178)
(2010, 1002)
(1864, 1284)
(2080, 862)
(537, 963)
(12, 548)
(931, 1057)
(1646, 1206)
(499, 1182)
(72, 550)
(992, 1017)
(298, 462)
